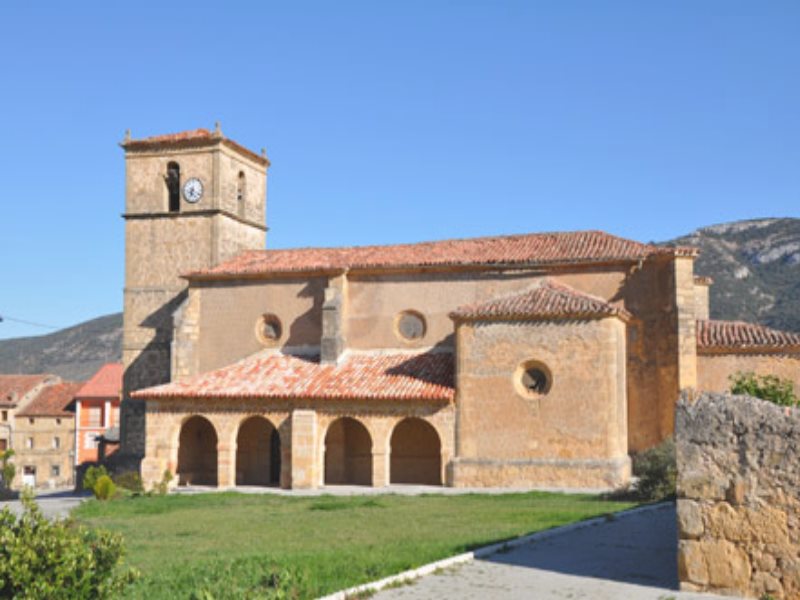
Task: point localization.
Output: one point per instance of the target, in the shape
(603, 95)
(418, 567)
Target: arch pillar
(226, 464)
(380, 453)
(226, 450)
(304, 449)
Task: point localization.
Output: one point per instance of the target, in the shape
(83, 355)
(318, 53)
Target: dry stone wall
(738, 496)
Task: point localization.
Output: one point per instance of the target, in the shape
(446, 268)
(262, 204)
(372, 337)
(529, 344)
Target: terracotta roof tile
(526, 249)
(106, 383)
(193, 138)
(401, 376)
(14, 387)
(738, 335)
(548, 300)
(192, 134)
(52, 401)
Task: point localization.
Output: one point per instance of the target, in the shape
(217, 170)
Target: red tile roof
(52, 401)
(106, 383)
(548, 300)
(534, 249)
(14, 387)
(741, 336)
(194, 138)
(401, 376)
(192, 134)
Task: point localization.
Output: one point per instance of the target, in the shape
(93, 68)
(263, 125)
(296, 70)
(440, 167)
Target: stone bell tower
(192, 200)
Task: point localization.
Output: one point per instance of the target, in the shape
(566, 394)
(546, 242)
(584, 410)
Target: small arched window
(173, 181)
(241, 192)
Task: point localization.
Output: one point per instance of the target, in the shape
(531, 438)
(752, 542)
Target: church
(531, 360)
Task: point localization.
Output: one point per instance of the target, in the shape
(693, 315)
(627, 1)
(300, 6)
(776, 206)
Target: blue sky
(391, 122)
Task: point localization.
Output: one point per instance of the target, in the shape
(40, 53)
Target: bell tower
(192, 200)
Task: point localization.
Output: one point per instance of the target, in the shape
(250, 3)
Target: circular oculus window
(269, 329)
(410, 325)
(533, 379)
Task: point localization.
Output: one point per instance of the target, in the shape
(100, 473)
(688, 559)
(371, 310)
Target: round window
(410, 325)
(269, 329)
(533, 379)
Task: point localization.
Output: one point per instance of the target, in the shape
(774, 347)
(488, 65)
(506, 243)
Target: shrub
(7, 469)
(767, 387)
(162, 487)
(92, 475)
(131, 481)
(42, 559)
(104, 488)
(657, 471)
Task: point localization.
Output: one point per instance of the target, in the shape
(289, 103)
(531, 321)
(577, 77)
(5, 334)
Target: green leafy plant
(7, 469)
(92, 475)
(130, 481)
(657, 471)
(43, 559)
(104, 488)
(162, 487)
(767, 387)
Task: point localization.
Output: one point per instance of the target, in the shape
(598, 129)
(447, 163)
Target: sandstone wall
(572, 435)
(738, 496)
(714, 370)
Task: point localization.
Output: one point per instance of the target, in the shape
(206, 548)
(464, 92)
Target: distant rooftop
(52, 401)
(106, 383)
(14, 387)
(741, 336)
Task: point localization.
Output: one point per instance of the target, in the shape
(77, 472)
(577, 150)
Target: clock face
(193, 190)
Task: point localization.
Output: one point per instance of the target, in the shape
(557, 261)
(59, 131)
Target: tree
(7, 469)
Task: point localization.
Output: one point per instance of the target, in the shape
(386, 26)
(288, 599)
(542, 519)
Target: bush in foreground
(42, 559)
(767, 387)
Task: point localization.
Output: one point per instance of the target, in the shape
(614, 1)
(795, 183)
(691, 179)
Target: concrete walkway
(631, 558)
(53, 504)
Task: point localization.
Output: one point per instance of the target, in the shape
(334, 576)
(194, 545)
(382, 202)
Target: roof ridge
(480, 238)
(522, 250)
(531, 303)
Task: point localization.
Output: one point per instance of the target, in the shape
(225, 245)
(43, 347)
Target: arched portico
(258, 453)
(197, 452)
(416, 453)
(348, 453)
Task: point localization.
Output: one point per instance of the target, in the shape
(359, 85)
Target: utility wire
(24, 322)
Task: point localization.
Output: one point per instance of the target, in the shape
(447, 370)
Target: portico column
(380, 468)
(226, 464)
(304, 449)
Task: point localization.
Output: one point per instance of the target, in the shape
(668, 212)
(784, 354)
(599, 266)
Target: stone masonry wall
(738, 496)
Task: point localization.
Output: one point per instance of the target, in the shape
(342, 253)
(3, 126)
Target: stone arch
(258, 452)
(197, 452)
(415, 453)
(348, 453)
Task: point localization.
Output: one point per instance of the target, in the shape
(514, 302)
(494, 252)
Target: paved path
(53, 504)
(630, 558)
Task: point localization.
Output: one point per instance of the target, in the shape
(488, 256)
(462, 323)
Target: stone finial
(263, 153)
(217, 129)
(127, 136)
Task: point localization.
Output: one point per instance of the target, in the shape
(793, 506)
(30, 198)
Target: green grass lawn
(230, 545)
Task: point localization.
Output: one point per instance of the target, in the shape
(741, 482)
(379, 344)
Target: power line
(24, 322)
